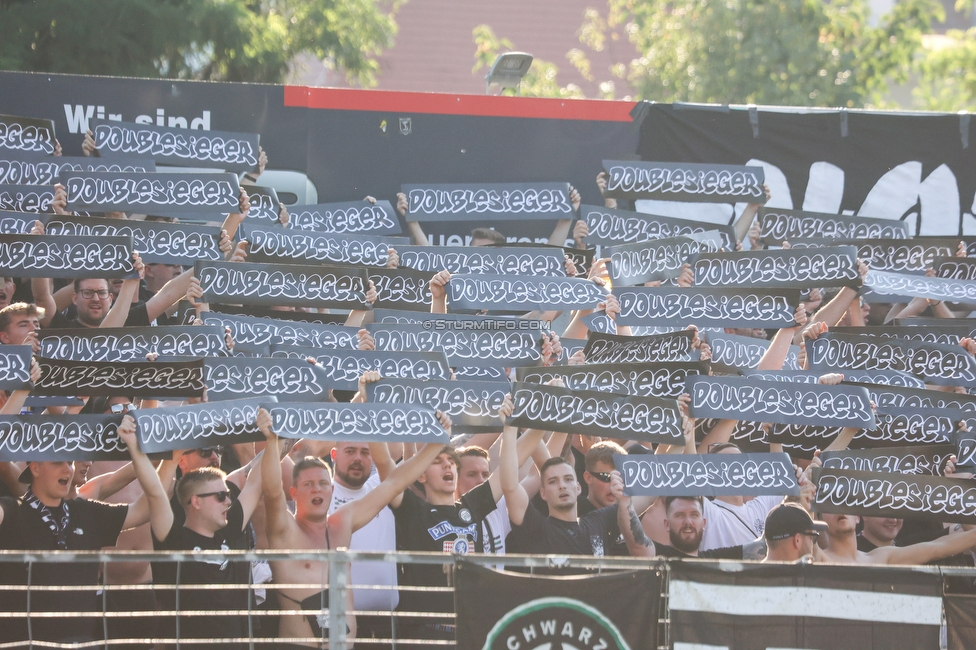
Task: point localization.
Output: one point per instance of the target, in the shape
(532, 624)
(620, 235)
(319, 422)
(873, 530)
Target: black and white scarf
(56, 519)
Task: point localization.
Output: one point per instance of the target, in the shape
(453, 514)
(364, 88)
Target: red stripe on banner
(343, 99)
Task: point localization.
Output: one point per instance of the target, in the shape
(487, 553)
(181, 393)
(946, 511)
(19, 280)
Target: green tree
(947, 74)
(232, 40)
(539, 81)
(792, 52)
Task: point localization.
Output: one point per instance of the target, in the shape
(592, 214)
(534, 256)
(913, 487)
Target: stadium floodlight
(508, 69)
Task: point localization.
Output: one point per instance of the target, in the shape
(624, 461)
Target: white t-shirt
(495, 528)
(728, 525)
(377, 535)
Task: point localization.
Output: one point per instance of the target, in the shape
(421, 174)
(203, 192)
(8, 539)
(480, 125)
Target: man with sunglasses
(213, 520)
(599, 465)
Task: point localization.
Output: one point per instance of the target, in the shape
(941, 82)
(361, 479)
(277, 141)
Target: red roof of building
(434, 48)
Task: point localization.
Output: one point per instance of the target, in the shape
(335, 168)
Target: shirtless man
(312, 528)
(842, 546)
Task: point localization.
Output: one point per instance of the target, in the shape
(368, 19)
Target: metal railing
(338, 563)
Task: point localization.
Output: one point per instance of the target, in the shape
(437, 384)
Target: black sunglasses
(813, 534)
(206, 452)
(601, 476)
(123, 408)
(220, 496)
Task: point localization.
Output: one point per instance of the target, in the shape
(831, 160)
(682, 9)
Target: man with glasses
(790, 533)
(599, 464)
(213, 520)
(91, 298)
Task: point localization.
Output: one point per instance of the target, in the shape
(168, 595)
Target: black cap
(788, 519)
(26, 477)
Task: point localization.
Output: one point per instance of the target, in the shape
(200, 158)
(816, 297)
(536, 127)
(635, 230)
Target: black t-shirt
(864, 545)
(61, 322)
(181, 538)
(138, 317)
(727, 553)
(92, 525)
(421, 526)
(593, 534)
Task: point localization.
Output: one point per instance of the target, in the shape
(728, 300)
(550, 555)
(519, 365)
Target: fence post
(666, 603)
(30, 623)
(338, 575)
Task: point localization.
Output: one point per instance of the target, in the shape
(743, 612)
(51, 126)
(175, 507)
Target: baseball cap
(26, 477)
(788, 519)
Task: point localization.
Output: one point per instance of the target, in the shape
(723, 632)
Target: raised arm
(170, 294)
(516, 498)
(234, 219)
(278, 517)
(357, 514)
(250, 496)
(160, 511)
(779, 347)
(638, 544)
(119, 312)
(438, 292)
(103, 486)
(357, 316)
(744, 222)
(937, 549)
(833, 311)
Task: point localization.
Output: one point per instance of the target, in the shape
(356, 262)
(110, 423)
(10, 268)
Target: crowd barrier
(671, 578)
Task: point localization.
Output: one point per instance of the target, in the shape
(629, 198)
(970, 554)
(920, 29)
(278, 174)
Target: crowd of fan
(503, 492)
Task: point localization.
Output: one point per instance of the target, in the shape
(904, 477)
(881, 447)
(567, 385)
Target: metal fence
(103, 616)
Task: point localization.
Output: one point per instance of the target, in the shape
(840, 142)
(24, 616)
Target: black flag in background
(803, 606)
(497, 610)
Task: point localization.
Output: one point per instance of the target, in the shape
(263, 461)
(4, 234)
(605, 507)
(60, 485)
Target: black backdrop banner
(782, 605)
(827, 161)
(899, 166)
(496, 610)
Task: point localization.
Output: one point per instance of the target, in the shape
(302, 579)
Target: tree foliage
(792, 52)
(232, 40)
(539, 81)
(947, 74)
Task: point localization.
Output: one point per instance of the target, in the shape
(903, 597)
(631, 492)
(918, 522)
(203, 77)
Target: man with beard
(685, 525)
(354, 478)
